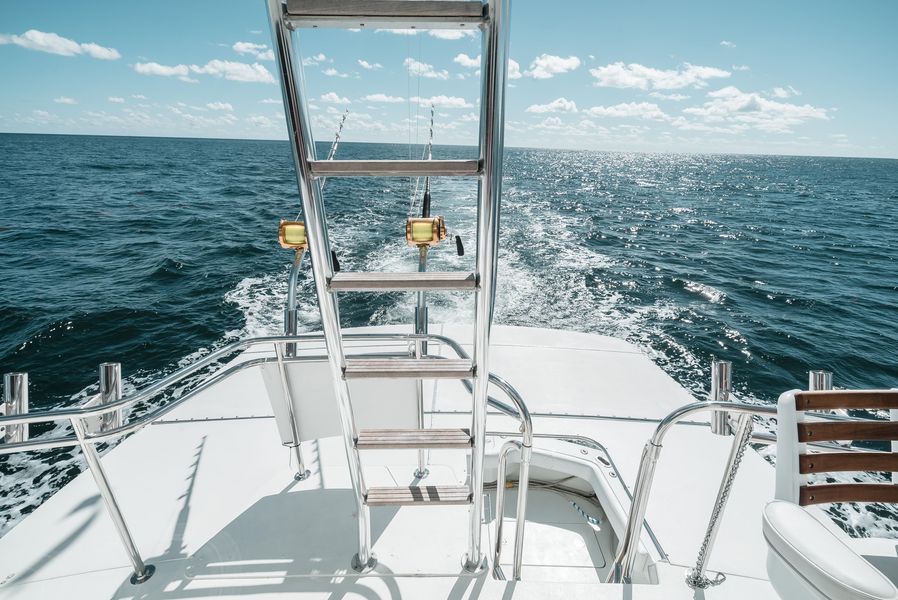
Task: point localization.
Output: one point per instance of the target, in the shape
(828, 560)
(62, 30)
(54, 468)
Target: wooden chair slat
(847, 400)
(848, 492)
(831, 462)
(853, 430)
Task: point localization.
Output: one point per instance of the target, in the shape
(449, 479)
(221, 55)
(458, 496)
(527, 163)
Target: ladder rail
(303, 149)
(494, 68)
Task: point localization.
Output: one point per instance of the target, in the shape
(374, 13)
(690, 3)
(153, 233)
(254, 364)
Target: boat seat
(806, 560)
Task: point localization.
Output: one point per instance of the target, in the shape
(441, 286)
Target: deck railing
(100, 417)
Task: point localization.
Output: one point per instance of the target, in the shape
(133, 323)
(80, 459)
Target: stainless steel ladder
(492, 20)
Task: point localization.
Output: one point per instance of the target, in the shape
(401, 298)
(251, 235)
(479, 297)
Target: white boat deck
(209, 496)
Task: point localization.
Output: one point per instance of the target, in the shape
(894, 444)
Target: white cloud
(727, 44)
(551, 123)
(642, 110)
(546, 66)
(634, 75)
(116, 99)
(52, 43)
(314, 60)
(732, 108)
(442, 34)
(332, 72)
(398, 31)
(741, 68)
(369, 66)
(383, 98)
(674, 97)
(467, 61)
(451, 34)
(260, 121)
(334, 98)
(786, 92)
(202, 121)
(138, 96)
(260, 51)
(65, 100)
(219, 106)
(514, 69)
(270, 101)
(152, 68)
(555, 106)
(235, 71)
(424, 70)
(443, 101)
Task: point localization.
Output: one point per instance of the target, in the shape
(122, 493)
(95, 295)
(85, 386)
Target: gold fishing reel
(292, 235)
(425, 231)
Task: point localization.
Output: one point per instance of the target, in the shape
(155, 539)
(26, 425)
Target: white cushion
(821, 558)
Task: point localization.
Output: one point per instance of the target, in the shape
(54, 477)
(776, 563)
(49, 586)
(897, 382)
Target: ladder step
(425, 494)
(360, 281)
(404, 368)
(383, 439)
(395, 168)
(386, 13)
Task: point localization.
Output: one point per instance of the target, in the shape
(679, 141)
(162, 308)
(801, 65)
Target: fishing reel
(426, 232)
(292, 235)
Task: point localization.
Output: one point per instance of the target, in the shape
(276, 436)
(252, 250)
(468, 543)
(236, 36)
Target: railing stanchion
(820, 380)
(721, 384)
(110, 391)
(15, 402)
(142, 571)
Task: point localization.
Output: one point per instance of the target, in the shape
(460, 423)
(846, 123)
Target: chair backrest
(794, 462)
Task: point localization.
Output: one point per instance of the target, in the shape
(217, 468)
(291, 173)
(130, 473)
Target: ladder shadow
(288, 542)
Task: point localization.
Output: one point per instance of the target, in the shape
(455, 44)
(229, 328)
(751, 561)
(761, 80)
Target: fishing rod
(333, 150)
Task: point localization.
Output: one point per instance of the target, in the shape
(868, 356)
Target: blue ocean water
(147, 251)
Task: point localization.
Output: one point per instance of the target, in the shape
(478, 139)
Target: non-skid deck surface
(211, 502)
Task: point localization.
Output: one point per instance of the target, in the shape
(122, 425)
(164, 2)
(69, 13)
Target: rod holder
(15, 402)
(721, 386)
(110, 391)
(820, 380)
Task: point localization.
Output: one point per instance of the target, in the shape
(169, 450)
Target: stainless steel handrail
(622, 569)
(181, 374)
(520, 518)
(526, 448)
(86, 440)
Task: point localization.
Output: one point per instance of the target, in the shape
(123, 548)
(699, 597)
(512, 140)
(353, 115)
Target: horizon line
(287, 141)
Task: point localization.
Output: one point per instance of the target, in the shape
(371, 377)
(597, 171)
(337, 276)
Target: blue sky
(761, 77)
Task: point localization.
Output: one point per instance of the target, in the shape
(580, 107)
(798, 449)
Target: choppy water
(147, 251)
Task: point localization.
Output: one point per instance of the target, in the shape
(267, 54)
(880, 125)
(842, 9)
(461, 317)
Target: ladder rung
(404, 368)
(383, 439)
(425, 494)
(386, 13)
(435, 280)
(395, 168)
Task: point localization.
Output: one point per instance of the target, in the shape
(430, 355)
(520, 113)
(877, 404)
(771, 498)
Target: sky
(764, 77)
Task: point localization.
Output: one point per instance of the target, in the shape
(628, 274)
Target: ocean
(152, 251)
